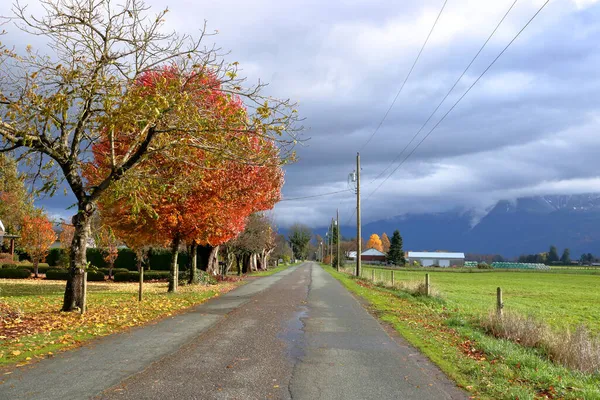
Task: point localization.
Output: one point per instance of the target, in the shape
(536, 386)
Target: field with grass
(446, 328)
(563, 300)
(32, 325)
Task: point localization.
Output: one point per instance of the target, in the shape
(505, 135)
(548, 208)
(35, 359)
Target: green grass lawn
(487, 367)
(563, 300)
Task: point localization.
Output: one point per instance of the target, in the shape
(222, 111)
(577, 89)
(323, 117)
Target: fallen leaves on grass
(31, 325)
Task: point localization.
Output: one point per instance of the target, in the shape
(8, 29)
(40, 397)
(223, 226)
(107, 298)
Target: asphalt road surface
(298, 334)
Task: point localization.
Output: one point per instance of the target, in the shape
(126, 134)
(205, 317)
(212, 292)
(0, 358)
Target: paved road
(295, 335)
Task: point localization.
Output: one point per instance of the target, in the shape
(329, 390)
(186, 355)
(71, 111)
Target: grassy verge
(32, 327)
(487, 367)
(563, 300)
(274, 270)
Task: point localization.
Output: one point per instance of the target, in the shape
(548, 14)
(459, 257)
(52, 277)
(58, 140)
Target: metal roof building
(436, 259)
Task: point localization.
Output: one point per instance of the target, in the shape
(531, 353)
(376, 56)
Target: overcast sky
(529, 127)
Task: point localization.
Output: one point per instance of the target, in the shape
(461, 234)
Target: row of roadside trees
(151, 130)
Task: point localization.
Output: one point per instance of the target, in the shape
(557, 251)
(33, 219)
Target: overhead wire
(461, 97)
(448, 93)
(406, 78)
(391, 105)
(316, 195)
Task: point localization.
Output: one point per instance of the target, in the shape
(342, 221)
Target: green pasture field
(562, 299)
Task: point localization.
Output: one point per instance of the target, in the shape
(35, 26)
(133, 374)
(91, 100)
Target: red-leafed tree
(191, 194)
(37, 236)
(82, 89)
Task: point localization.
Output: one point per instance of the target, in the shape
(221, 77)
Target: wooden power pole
(358, 230)
(331, 245)
(337, 266)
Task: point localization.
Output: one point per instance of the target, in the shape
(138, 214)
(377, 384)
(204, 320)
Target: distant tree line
(551, 257)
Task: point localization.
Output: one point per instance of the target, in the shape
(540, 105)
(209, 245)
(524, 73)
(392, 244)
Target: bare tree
(55, 107)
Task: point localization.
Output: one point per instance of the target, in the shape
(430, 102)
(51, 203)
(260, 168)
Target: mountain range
(510, 228)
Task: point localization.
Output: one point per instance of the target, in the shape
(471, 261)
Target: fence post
(84, 290)
(392, 277)
(499, 303)
(373, 275)
(427, 286)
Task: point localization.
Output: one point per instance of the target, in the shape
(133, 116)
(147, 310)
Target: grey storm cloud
(529, 127)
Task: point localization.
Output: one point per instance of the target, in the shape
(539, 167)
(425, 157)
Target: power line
(317, 195)
(407, 77)
(447, 94)
(461, 97)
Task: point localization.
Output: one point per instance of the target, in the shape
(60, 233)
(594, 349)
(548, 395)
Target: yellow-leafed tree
(385, 242)
(375, 242)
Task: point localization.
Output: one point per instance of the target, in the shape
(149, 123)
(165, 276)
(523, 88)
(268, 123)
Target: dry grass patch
(579, 350)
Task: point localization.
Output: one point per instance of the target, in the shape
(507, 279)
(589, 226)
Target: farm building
(369, 256)
(437, 259)
(373, 256)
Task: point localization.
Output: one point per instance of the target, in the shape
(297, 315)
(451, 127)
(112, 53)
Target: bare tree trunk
(110, 269)
(174, 276)
(266, 256)
(35, 266)
(246, 263)
(194, 263)
(73, 298)
(141, 283)
(213, 261)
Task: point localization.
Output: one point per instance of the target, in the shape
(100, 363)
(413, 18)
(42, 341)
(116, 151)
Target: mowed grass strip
(272, 271)
(487, 367)
(33, 327)
(562, 300)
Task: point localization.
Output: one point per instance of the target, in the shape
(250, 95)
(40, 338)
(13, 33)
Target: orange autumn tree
(192, 194)
(107, 243)
(375, 242)
(385, 242)
(65, 238)
(37, 236)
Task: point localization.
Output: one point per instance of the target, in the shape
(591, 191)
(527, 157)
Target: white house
(437, 259)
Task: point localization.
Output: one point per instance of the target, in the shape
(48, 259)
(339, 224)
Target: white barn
(436, 259)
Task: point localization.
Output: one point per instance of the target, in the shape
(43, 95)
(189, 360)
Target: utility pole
(358, 230)
(337, 267)
(331, 246)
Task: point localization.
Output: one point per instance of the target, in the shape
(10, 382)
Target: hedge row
(63, 274)
(158, 259)
(135, 276)
(114, 271)
(14, 273)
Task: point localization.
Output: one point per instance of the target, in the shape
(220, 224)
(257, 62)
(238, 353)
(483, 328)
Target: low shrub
(14, 273)
(57, 274)
(135, 276)
(25, 267)
(484, 266)
(63, 274)
(11, 265)
(114, 271)
(95, 276)
(42, 267)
